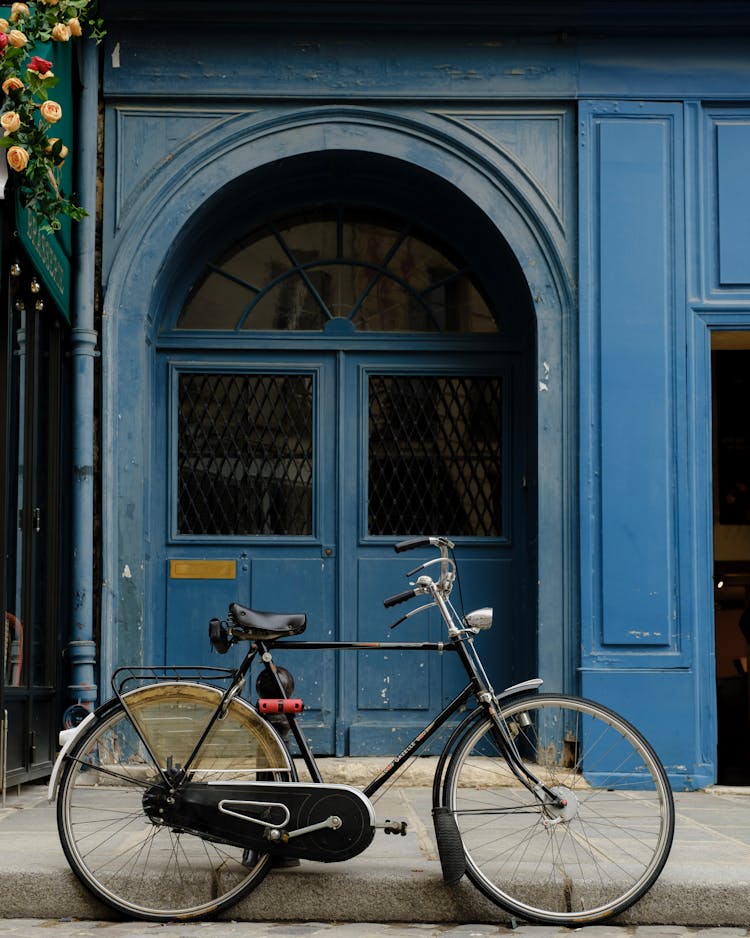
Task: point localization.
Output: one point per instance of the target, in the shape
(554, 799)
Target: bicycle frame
(416, 743)
(477, 687)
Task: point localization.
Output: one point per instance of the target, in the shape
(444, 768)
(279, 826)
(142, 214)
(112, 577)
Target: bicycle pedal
(397, 826)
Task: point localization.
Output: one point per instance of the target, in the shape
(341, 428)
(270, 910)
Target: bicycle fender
(66, 739)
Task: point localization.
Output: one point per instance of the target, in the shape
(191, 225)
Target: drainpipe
(81, 650)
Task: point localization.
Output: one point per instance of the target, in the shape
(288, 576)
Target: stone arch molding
(150, 206)
(144, 250)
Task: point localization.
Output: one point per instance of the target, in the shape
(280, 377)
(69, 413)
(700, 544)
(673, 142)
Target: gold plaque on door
(203, 569)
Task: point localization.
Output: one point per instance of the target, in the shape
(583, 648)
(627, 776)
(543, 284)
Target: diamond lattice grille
(435, 456)
(245, 454)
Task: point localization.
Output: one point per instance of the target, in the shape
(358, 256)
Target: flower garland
(27, 113)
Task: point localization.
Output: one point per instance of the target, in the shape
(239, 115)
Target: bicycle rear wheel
(570, 865)
(124, 857)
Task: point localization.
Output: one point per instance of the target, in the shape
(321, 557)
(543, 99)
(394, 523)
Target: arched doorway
(349, 365)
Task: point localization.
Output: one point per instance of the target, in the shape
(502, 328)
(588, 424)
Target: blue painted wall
(665, 261)
(634, 244)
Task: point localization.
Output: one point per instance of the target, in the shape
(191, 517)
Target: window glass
(331, 263)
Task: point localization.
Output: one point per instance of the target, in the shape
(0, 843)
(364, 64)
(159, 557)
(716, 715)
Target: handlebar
(425, 584)
(399, 598)
(411, 543)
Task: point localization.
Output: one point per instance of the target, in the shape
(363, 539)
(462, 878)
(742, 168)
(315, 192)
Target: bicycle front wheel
(594, 854)
(117, 847)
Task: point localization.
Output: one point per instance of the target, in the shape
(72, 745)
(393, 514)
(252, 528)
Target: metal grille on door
(245, 454)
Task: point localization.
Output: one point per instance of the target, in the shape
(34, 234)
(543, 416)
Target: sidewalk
(706, 881)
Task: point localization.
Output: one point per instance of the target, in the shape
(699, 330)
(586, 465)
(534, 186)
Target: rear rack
(129, 678)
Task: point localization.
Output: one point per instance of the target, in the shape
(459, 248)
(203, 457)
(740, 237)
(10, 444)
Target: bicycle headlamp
(480, 618)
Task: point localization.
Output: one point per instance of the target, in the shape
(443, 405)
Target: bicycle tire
(143, 870)
(576, 865)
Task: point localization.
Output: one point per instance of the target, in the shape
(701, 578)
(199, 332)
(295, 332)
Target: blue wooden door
(250, 449)
(290, 477)
(428, 450)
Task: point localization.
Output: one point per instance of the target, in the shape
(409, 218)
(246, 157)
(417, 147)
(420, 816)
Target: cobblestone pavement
(66, 928)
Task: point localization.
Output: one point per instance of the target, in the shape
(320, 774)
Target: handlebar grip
(411, 543)
(399, 598)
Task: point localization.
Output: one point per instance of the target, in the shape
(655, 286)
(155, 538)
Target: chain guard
(248, 815)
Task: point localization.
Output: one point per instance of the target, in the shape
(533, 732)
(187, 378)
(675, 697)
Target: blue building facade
(359, 262)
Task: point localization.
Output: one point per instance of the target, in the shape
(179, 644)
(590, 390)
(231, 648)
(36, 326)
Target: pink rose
(3, 43)
(38, 64)
(51, 111)
(18, 159)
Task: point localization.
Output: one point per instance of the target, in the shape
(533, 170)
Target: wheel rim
(121, 851)
(575, 863)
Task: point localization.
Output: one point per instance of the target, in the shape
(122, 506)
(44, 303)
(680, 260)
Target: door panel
(197, 591)
(290, 582)
(277, 582)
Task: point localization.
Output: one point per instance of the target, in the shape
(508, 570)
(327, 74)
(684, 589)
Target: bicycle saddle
(266, 626)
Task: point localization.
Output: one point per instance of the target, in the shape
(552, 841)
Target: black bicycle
(176, 797)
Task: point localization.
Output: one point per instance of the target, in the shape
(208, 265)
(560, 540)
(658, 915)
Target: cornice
(638, 18)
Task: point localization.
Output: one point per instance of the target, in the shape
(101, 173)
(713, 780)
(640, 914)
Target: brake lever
(413, 613)
(428, 563)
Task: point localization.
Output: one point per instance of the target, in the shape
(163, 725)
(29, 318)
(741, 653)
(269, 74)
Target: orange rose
(74, 25)
(51, 111)
(17, 38)
(61, 33)
(17, 11)
(10, 122)
(13, 83)
(18, 159)
(63, 150)
(4, 25)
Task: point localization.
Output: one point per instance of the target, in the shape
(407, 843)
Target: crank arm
(331, 823)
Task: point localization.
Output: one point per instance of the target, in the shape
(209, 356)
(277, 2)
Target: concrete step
(398, 879)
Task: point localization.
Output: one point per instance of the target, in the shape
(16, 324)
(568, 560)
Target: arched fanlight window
(340, 269)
